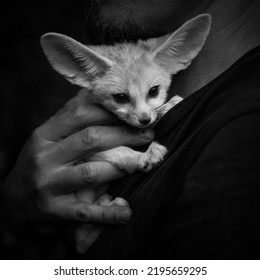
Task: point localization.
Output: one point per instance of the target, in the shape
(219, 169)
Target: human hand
(86, 234)
(41, 188)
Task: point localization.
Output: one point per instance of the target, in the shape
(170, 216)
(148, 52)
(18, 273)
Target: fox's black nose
(145, 120)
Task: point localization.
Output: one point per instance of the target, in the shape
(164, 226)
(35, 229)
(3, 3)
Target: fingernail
(125, 216)
(120, 201)
(147, 133)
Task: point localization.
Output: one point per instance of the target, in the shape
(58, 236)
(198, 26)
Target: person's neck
(234, 33)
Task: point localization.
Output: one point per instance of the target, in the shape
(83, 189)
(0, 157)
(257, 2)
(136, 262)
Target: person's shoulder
(236, 91)
(238, 136)
(243, 77)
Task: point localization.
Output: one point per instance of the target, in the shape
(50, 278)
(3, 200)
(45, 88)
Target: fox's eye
(121, 98)
(154, 91)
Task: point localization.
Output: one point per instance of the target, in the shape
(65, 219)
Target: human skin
(235, 30)
(39, 193)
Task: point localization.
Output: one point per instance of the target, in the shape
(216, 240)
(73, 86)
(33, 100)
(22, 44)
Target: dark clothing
(203, 201)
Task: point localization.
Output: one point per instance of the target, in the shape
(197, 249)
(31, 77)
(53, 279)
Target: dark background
(31, 90)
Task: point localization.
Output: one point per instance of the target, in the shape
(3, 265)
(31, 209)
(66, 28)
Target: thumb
(93, 213)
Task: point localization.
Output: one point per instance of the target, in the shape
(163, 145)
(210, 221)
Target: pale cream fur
(129, 69)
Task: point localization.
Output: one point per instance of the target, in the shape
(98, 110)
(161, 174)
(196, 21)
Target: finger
(118, 202)
(92, 213)
(104, 200)
(78, 177)
(98, 138)
(85, 236)
(107, 200)
(78, 113)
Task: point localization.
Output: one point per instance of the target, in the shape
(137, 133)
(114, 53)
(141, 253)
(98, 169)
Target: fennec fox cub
(130, 79)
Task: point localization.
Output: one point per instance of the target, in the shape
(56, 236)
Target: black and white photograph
(130, 130)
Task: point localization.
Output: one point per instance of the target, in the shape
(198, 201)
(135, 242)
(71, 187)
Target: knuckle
(89, 137)
(38, 159)
(35, 163)
(84, 215)
(129, 135)
(35, 140)
(80, 114)
(37, 167)
(40, 172)
(88, 174)
(37, 153)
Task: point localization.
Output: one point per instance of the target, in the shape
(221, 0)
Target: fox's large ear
(78, 63)
(177, 51)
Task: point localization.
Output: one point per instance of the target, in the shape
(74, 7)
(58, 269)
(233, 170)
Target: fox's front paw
(145, 164)
(156, 152)
(152, 157)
